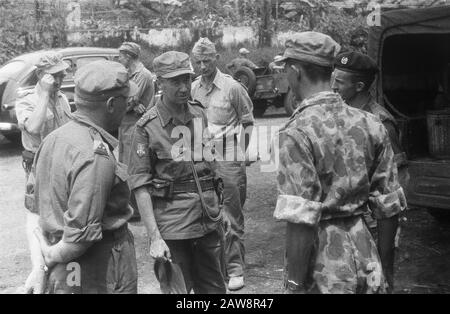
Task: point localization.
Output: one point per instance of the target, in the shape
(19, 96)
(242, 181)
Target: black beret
(356, 62)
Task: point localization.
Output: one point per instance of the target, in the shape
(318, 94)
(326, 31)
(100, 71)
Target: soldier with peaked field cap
(353, 76)
(335, 163)
(230, 117)
(129, 56)
(80, 242)
(45, 108)
(178, 194)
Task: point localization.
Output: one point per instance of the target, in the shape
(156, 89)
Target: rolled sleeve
(139, 167)
(243, 104)
(386, 197)
(24, 108)
(91, 183)
(297, 181)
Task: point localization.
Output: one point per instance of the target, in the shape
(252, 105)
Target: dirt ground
(422, 264)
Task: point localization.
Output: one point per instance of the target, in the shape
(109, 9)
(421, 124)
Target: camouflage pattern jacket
(335, 161)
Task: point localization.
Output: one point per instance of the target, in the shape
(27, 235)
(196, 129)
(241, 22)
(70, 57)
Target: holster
(161, 188)
(27, 160)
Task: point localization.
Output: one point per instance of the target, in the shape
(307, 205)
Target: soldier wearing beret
(45, 108)
(176, 192)
(353, 76)
(80, 242)
(230, 116)
(335, 162)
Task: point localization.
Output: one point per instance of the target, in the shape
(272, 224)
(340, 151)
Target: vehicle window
(85, 60)
(30, 80)
(12, 68)
(70, 70)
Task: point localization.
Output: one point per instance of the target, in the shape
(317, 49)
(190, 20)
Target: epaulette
(196, 103)
(100, 147)
(151, 114)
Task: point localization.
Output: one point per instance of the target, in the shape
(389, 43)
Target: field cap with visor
(172, 64)
(131, 48)
(52, 63)
(100, 80)
(311, 47)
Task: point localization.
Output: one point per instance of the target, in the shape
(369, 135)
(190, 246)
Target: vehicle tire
(13, 137)
(441, 215)
(259, 107)
(290, 104)
(247, 77)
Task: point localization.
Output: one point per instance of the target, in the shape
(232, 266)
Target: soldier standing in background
(336, 163)
(230, 121)
(144, 79)
(242, 61)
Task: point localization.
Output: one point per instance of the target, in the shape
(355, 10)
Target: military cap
(204, 46)
(131, 48)
(172, 64)
(51, 62)
(100, 80)
(356, 62)
(312, 47)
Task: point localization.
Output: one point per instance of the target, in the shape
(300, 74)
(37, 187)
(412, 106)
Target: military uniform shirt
(80, 188)
(391, 126)
(335, 161)
(26, 105)
(144, 80)
(228, 104)
(151, 157)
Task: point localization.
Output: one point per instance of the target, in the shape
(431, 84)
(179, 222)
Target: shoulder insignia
(151, 114)
(100, 148)
(196, 103)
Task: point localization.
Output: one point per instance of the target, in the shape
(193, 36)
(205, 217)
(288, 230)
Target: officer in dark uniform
(353, 77)
(82, 243)
(176, 191)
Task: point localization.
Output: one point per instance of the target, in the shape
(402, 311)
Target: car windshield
(11, 69)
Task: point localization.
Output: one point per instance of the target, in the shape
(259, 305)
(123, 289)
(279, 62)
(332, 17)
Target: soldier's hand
(36, 281)
(159, 250)
(139, 109)
(47, 83)
(226, 224)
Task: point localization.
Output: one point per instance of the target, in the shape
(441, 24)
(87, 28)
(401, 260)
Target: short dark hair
(367, 79)
(315, 73)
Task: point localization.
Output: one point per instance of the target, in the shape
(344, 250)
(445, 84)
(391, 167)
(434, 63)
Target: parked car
(266, 88)
(18, 76)
(412, 49)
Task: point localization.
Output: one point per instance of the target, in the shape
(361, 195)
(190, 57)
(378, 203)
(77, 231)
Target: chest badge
(140, 150)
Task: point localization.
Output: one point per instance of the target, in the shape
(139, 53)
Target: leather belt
(191, 187)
